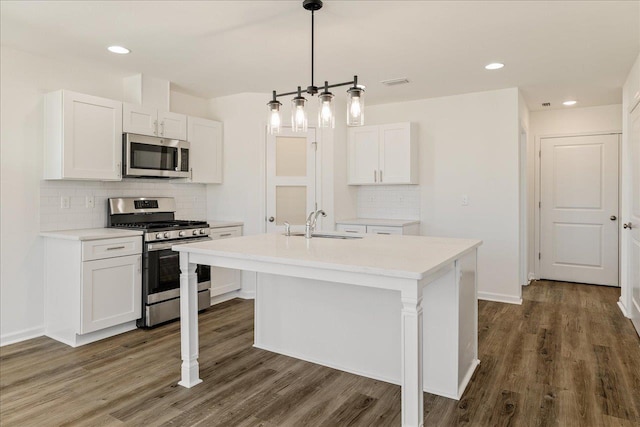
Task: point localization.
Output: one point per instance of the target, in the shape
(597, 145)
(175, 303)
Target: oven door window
(164, 271)
(147, 156)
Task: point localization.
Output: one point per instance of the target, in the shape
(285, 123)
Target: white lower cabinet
(93, 289)
(224, 280)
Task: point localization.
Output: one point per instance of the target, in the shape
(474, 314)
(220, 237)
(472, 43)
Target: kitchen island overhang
(402, 309)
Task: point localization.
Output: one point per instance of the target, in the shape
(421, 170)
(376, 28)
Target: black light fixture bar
(295, 92)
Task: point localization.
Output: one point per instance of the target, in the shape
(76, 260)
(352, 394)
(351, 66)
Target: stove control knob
(202, 231)
(195, 232)
(182, 233)
(166, 235)
(158, 235)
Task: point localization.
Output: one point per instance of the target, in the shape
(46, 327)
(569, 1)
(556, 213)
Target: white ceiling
(553, 50)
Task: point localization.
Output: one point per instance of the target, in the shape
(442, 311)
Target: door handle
(613, 217)
(271, 219)
(628, 226)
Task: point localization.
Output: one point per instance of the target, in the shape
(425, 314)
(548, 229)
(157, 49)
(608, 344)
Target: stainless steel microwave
(153, 157)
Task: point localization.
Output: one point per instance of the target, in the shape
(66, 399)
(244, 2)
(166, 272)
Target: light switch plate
(64, 202)
(465, 200)
(90, 202)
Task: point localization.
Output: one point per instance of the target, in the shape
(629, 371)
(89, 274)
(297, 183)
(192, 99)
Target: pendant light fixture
(326, 110)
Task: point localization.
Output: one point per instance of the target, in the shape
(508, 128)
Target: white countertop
(411, 257)
(220, 224)
(379, 222)
(91, 233)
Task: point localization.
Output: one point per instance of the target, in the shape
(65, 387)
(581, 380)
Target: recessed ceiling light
(118, 49)
(569, 103)
(494, 66)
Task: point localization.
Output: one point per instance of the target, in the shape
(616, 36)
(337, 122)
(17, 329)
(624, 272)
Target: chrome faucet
(310, 225)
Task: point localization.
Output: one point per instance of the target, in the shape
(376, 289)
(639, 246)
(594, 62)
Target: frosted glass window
(291, 156)
(291, 205)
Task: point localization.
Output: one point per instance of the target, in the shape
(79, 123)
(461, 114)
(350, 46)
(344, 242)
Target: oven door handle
(151, 247)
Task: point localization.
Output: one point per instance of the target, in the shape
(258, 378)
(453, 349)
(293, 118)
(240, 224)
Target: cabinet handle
(225, 235)
(379, 232)
(191, 174)
(139, 264)
(380, 175)
(155, 127)
(119, 170)
(375, 176)
(162, 128)
(113, 248)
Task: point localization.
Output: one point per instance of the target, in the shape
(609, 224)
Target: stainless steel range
(161, 266)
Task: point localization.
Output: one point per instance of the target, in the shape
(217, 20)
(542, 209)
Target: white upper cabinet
(83, 137)
(386, 154)
(153, 122)
(205, 154)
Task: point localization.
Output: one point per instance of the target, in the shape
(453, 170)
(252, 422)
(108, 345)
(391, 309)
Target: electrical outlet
(64, 202)
(90, 202)
(465, 200)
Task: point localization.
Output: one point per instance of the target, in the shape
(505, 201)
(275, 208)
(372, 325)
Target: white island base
(401, 309)
(358, 330)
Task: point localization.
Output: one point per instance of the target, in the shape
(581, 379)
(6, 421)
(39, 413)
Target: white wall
(469, 146)
(561, 122)
(25, 78)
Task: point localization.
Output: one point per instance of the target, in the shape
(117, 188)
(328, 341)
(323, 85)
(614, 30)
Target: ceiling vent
(394, 82)
(546, 104)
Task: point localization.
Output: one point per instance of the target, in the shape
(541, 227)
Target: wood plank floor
(566, 357)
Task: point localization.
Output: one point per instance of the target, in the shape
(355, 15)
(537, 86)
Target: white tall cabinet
(93, 284)
(83, 137)
(384, 154)
(205, 137)
(151, 121)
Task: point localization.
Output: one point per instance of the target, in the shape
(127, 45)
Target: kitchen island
(401, 309)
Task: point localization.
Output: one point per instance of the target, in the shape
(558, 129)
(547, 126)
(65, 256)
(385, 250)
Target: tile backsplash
(389, 202)
(191, 202)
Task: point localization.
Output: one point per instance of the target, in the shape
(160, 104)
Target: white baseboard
(508, 299)
(623, 309)
(23, 335)
(246, 295)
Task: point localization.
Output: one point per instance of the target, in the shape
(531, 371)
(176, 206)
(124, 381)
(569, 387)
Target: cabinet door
(395, 154)
(172, 125)
(205, 157)
(363, 155)
(225, 280)
(111, 292)
(92, 142)
(140, 119)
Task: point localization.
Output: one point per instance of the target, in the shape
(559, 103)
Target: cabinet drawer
(383, 230)
(109, 248)
(225, 233)
(348, 228)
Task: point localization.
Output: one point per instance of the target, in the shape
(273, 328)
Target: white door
(291, 178)
(111, 292)
(579, 209)
(632, 218)
(139, 119)
(395, 154)
(172, 125)
(205, 153)
(92, 137)
(363, 153)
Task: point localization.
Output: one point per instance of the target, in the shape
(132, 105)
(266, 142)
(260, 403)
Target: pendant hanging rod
(312, 46)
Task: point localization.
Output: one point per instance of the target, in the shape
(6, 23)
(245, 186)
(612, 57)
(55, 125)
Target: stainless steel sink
(326, 236)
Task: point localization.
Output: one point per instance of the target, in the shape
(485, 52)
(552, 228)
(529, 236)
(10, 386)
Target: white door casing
(291, 181)
(579, 201)
(631, 241)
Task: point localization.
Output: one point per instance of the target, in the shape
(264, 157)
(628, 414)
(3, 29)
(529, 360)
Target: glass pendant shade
(298, 114)
(274, 119)
(355, 107)
(326, 113)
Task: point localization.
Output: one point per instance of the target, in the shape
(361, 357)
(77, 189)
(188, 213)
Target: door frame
(538, 189)
(263, 175)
